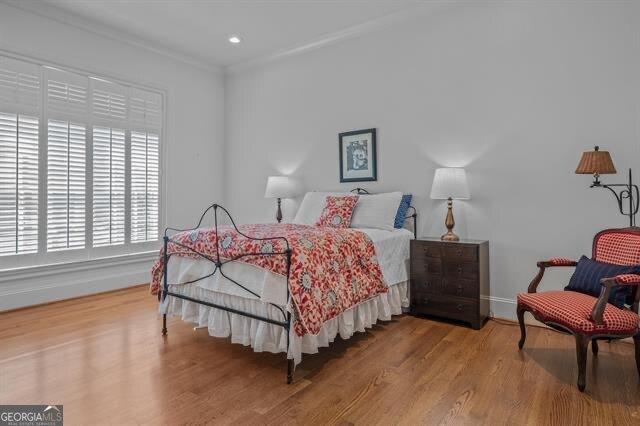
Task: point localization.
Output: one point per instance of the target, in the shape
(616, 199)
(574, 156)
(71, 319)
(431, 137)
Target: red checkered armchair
(587, 318)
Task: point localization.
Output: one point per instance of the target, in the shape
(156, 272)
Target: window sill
(65, 267)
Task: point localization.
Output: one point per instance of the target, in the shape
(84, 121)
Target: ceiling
(199, 29)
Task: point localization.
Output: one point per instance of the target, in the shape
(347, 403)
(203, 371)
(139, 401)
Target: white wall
(193, 137)
(513, 92)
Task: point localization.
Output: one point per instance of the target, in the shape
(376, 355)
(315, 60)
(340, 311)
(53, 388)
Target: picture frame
(358, 156)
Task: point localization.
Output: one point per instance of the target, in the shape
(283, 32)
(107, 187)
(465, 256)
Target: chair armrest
(627, 279)
(607, 284)
(554, 261)
(557, 261)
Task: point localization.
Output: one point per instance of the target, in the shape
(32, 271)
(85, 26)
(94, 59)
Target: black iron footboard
(219, 263)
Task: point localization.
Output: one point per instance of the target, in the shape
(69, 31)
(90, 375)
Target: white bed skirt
(265, 337)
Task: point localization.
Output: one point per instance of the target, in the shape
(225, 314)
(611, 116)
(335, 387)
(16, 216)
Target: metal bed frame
(285, 323)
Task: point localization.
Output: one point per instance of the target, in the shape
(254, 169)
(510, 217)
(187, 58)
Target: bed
(246, 282)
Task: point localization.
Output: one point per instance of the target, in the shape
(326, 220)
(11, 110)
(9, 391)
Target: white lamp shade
(281, 187)
(450, 182)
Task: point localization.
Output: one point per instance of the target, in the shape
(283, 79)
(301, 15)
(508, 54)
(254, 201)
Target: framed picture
(358, 156)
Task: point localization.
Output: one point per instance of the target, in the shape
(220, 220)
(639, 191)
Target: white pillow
(311, 207)
(376, 211)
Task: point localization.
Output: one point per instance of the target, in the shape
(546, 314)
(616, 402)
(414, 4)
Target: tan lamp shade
(596, 162)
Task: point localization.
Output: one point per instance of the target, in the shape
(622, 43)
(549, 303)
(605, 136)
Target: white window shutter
(27, 184)
(8, 182)
(146, 110)
(110, 115)
(144, 186)
(19, 156)
(138, 186)
(67, 94)
(108, 186)
(153, 186)
(18, 184)
(109, 101)
(19, 86)
(67, 110)
(146, 121)
(66, 173)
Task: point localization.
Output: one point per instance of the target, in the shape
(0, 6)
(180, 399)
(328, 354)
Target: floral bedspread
(331, 270)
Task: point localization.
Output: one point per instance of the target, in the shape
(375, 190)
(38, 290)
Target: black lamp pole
(629, 192)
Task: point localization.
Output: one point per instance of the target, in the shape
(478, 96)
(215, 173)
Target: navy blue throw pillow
(401, 214)
(587, 276)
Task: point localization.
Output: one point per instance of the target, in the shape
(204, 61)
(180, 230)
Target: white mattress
(392, 250)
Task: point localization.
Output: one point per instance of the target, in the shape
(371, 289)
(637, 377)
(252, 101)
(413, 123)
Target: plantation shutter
(146, 113)
(79, 165)
(67, 112)
(146, 110)
(19, 127)
(110, 115)
(19, 86)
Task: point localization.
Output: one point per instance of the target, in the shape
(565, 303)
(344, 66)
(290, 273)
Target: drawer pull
(459, 289)
(459, 269)
(460, 307)
(459, 252)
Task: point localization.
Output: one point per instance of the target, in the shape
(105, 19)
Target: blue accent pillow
(587, 276)
(402, 211)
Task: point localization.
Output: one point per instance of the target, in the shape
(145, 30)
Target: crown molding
(51, 12)
(371, 26)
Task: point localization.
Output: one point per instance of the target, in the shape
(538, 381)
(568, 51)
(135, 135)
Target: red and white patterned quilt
(332, 269)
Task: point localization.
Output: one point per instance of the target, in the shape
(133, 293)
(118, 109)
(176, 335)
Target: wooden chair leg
(594, 347)
(582, 343)
(636, 340)
(523, 331)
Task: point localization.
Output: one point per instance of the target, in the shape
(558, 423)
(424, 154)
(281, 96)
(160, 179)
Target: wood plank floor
(103, 357)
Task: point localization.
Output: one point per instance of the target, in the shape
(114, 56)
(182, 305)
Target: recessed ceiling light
(234, 39)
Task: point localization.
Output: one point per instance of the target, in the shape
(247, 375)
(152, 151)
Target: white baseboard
(33, 289)
(500, 307)
(503, 308)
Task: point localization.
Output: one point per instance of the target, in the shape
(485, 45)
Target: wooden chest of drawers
(448, 278)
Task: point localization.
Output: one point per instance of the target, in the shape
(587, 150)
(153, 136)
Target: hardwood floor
(103, 357)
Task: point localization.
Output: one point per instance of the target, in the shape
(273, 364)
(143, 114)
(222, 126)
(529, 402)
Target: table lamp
(280, 187)
(450, 183)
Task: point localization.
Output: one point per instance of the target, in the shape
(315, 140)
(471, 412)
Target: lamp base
(279, 212)
(450, 223)
(450, 236)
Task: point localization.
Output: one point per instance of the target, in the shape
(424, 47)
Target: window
(66, 159)
(79, 164)
(19, 156)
